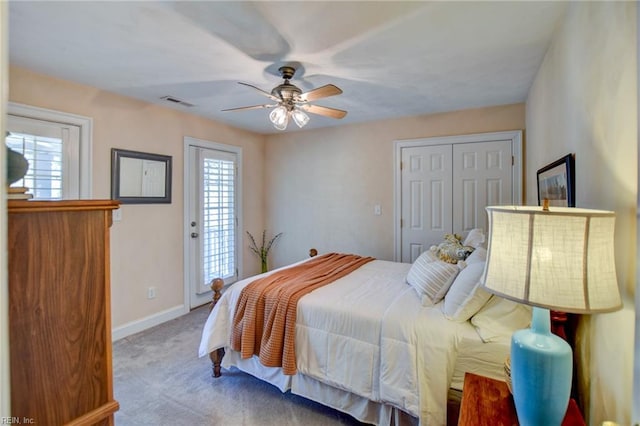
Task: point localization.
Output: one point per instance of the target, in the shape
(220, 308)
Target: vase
(17, 166)
(264, 265)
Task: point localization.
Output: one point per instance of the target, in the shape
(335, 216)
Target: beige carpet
(159, 380)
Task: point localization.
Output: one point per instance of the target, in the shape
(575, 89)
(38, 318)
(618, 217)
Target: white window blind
(45, 156)
(218, 218)
(53, 150)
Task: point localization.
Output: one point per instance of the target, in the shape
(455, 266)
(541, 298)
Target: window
(44, 176)
(57, 146)
(218, 218)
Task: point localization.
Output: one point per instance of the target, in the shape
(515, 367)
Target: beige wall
(147, 245)
(322, 185)
(584, 100)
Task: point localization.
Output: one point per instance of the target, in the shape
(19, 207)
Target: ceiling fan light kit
(292, 102)
(279, 117)
(300, 117)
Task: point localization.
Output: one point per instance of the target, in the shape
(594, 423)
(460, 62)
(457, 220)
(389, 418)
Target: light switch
(117, 215)
(377, 210)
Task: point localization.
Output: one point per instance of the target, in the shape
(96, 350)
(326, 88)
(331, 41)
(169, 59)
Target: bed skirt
(362, 409)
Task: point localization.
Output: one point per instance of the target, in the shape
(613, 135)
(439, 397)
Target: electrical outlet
(151, 293)
(117, 215)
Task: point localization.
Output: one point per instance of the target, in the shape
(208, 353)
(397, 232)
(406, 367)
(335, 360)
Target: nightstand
(488, 402)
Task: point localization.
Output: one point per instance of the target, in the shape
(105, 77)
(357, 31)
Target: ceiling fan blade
(251, 107)
(265, 93)
(321, 92)
(326, 111)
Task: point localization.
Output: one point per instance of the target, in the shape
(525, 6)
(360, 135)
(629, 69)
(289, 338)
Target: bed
(370, 345)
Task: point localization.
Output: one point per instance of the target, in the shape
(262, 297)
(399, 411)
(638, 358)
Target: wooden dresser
(59, 312)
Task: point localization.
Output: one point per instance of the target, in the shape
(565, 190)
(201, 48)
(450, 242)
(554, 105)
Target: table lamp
(560, 259)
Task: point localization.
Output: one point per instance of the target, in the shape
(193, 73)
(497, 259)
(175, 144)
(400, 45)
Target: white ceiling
(391, 59)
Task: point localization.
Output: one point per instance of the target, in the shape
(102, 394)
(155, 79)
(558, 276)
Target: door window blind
(218, 218)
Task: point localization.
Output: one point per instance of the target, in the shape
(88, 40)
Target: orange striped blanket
(264, 322)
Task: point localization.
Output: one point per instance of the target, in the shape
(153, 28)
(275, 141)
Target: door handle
(194, 235)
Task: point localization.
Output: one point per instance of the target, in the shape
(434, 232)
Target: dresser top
(23, 206)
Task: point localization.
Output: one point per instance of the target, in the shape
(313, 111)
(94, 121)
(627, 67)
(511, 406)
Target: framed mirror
(140, 177)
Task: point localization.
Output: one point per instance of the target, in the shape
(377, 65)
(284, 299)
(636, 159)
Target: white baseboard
(137, 326)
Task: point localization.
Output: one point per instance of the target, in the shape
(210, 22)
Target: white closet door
(443, 185)
(482, 176)
(426, 198)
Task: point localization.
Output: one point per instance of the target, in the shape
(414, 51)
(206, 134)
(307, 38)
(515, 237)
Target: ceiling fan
(290, 101)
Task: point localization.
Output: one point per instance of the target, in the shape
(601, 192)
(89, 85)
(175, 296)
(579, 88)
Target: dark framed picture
(140, 177)
(556, 182)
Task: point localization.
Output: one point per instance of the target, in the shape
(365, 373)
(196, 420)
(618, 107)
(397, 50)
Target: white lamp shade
(562, 259)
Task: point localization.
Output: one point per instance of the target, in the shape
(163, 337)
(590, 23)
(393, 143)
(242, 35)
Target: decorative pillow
(451, 249)
(475, 238)
(431, 279)
(499, 318)
(465, 297)
(428, 256)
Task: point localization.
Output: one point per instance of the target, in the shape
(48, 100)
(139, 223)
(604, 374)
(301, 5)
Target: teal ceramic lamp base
(541, 373)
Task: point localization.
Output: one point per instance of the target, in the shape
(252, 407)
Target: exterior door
(212, 216)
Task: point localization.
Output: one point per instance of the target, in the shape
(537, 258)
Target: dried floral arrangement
(263, 250)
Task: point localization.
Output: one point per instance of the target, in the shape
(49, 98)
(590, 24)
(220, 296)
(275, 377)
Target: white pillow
(431, 279)
(475, 238)
(478, 255)
(465, 297)
(429, 255)
(499, 318)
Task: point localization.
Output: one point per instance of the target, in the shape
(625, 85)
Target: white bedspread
(366, 333)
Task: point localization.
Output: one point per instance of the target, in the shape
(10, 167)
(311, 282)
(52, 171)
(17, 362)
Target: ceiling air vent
(176, 101)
